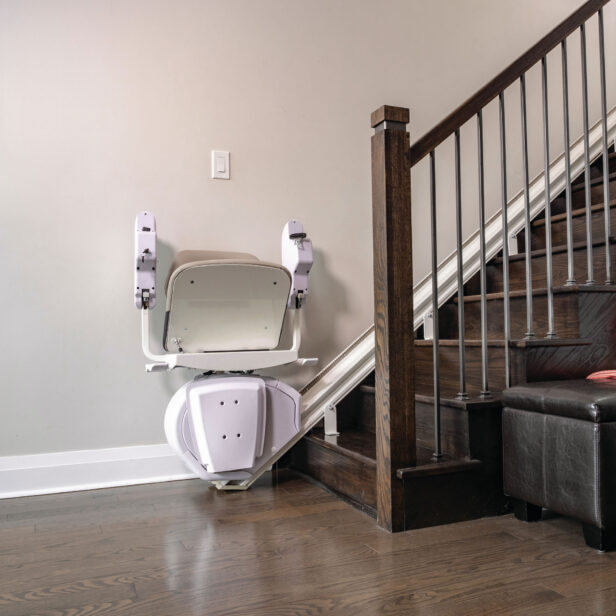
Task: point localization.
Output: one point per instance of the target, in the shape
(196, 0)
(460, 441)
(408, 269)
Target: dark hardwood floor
(281, 550)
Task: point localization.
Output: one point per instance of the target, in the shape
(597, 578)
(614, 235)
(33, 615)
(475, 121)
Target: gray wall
(110, 107)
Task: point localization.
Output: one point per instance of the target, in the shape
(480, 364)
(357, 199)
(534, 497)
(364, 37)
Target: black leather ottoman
(559, 445)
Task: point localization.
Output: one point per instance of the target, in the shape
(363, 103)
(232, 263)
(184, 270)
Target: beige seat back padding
(225, 304)
(188, 257)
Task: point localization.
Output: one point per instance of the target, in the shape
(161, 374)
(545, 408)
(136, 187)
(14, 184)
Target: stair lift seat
(225, 314)
(224, 301)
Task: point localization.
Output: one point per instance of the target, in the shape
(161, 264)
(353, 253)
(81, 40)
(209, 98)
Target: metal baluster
(462, 394)
(548, 207)
(529, 279)
(485, 392)
(606, 180)
(435, 359)
(570, 269)
(507, 323)
(590, 279)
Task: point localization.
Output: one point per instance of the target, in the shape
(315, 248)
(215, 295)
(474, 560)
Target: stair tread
(361, 446)
(581, 211)
(591, 288)
(467, 403)
(540, 252)
(357, 444)
(593, 182)
(441, 467)
(520, 344)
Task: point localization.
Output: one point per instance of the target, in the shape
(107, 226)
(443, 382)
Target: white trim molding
(91, 469)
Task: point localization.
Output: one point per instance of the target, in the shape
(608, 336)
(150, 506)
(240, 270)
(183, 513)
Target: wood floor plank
(285, 548)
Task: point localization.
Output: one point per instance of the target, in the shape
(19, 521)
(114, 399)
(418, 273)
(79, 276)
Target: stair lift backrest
(219, 301)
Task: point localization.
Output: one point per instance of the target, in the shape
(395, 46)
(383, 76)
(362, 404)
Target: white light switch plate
(220, 165)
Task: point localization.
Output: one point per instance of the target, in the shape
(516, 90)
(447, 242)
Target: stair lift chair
(225, 315)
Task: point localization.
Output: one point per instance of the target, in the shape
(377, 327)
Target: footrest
(227, 418)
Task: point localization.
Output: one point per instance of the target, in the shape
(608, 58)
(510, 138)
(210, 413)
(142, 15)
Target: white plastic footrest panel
(282, 423)
(227, 419)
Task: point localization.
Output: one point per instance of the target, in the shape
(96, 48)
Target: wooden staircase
(419, 440)
(466, 482)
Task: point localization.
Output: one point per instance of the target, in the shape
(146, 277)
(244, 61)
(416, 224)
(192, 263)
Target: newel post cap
(387, 113)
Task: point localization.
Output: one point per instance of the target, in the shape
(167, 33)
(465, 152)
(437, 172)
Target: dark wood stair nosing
(580, 211)
(541, 252)
(443, 467)
(560, 290)
(518, 344)
(466, 404)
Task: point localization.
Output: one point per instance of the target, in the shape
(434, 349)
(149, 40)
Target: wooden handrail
(493, 88)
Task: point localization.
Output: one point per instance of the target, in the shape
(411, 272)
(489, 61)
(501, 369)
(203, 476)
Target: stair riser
(527, 364)
(449, 370)
(559, 203)
(566, 317)
(454, 429)
(472, 431)
(348, 477)
(517, 271)
(356, 412)
(596, 170)
(578, 196)
(559, 230)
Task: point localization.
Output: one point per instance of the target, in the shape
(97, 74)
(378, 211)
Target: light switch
(220, 165)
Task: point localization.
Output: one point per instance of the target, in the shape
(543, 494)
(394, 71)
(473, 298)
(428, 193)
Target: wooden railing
(392, 159)
(434, 137)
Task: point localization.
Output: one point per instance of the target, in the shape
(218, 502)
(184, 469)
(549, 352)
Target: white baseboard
(69, 471)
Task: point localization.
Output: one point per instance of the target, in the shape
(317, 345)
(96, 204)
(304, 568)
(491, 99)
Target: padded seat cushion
(579, 399)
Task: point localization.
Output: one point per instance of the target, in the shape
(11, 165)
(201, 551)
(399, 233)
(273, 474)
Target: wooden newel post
(393, 310)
